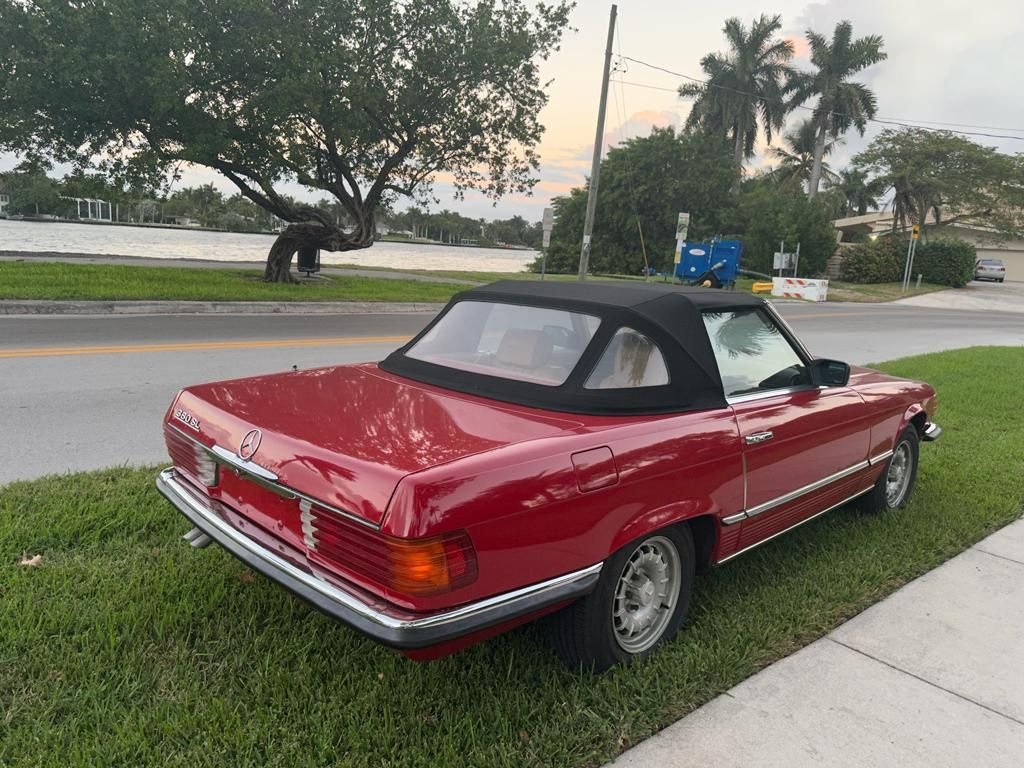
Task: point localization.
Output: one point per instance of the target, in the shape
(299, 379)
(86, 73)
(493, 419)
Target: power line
(644, 85)
(880, 120)
(624, 128)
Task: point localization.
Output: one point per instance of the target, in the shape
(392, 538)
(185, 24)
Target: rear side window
(630, 360)
(752, 354)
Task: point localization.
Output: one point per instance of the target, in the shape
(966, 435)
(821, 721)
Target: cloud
(946, 62)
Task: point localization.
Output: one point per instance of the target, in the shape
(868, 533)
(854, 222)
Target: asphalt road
(88, 392)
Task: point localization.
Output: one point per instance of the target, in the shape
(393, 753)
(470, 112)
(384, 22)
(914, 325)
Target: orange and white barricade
(800, 288)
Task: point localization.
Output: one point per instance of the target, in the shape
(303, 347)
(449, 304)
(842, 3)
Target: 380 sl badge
(186, 418)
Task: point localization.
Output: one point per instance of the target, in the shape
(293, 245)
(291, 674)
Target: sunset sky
(948, 61)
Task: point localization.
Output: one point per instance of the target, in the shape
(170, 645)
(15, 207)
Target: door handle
(758, 437)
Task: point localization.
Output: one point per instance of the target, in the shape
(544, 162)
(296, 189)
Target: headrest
(522, 348)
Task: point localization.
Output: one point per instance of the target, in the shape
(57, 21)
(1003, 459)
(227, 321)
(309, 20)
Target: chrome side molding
(792, 495)
(847, 500)
(809, 488)
(884, 456)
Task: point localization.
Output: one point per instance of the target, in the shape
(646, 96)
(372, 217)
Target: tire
(896, 483)
(605, 628)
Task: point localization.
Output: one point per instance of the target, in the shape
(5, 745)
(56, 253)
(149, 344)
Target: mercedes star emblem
(250, 444)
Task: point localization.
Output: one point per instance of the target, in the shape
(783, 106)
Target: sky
(948, 61)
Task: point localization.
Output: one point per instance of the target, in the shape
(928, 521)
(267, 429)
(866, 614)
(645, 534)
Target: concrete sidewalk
(932, 676)
(976, 296)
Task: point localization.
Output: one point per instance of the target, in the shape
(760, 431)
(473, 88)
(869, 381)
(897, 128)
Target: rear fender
(649, 521)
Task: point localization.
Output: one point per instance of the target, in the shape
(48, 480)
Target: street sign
(548, 224)
(549, 219)
(682, 226)
(782, 260)
(915, 232)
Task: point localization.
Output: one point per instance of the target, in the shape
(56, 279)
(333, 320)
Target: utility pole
(595, 168)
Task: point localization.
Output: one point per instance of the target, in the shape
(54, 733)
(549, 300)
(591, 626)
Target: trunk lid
(346, 435)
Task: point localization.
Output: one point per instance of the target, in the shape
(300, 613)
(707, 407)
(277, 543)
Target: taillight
(430, 566)
(427, 566)
(206, 467)
(190, 456)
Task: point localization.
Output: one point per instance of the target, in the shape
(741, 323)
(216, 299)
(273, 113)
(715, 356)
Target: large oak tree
(361, 99)
(947, 177)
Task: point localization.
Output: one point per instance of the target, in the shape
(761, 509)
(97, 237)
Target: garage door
(1014, 261)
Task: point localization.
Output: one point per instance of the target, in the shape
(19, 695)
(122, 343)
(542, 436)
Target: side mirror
(829, 373)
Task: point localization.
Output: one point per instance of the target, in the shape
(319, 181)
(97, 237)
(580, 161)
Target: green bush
(874, 261)
(945, 261)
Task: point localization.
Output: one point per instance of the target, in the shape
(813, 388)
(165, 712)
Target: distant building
(91, 209)
(182, 221)
(859, 228)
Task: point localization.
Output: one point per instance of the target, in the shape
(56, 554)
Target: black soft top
(669, 314)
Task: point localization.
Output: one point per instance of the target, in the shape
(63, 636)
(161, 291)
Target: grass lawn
(126, 647)
(47, 280)
(113, 282)
(873, 292)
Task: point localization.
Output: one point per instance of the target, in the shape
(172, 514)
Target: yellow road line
(200, 346)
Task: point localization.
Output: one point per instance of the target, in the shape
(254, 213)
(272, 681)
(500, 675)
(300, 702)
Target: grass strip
(126, 647)
(116, 282)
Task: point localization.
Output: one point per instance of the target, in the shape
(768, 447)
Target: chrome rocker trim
(884, 456)
(388, 625)
(847, 500)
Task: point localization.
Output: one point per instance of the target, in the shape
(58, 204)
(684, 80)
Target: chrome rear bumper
(367, 613)
(932, 431)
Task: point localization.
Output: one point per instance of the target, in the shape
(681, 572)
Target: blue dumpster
(716, 262)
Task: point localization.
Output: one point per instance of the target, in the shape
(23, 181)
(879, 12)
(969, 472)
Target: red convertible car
(582, 449)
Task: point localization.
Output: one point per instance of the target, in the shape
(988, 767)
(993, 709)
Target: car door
(804, 447)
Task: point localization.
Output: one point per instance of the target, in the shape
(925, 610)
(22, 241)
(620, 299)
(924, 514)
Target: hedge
(874, 261)
(942, 261)
(945, 261)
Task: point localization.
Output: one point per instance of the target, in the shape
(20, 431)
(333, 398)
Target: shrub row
(942, 261)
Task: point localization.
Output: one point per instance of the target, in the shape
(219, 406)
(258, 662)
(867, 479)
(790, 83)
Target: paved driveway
(995, 297)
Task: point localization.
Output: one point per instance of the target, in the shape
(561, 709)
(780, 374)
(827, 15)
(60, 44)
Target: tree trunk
(317, 235)
(737, 156)
(819, 154)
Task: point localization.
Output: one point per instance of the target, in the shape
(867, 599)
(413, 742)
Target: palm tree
(796, 161)
(860, 194)
(745, 87)
(842, 104)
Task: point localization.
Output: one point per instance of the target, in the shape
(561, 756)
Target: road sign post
(908, 272)
(548, 225)
(682, 228)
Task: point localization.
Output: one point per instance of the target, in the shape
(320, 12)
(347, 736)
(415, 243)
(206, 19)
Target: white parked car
(989, 269)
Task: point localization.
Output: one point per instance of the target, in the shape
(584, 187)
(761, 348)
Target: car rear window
(539, 345)
(991, 262)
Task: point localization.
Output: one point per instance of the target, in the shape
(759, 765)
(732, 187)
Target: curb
(39, 307)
